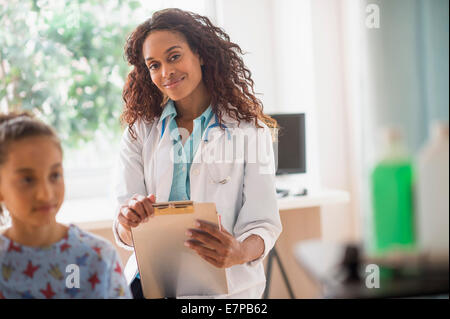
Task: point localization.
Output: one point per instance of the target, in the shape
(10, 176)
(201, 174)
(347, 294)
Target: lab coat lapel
(163, 166)
(208, 153)
(205, 150)
(163, 160)
(214, 136)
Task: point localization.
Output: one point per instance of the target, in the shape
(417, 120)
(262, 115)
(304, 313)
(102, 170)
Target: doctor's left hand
(218, 247)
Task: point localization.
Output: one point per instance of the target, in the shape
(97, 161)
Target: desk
(73, 211)
(302, 220)
(411, 275)
(300, 216)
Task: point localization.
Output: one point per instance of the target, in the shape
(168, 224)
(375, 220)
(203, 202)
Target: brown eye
(174, 57)
(27, 180)
(153, 66)
(55, 176)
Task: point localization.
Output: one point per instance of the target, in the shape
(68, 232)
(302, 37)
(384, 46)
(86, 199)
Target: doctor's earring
(3, 216)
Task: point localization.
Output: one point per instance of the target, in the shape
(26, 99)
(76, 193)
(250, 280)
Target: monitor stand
(291, 185)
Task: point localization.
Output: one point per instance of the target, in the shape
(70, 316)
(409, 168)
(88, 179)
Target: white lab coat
(242, 189)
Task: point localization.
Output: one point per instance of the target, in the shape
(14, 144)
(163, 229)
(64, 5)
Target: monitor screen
(291, 146)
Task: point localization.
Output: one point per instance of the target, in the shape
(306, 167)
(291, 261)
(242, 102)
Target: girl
(189, 92)
(40, 258)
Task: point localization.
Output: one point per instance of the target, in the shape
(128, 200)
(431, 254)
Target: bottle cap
(392, 135)
(394, 148)
(439, 130)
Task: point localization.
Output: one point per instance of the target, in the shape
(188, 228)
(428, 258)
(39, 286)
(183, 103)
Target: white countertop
(98, 213)
(315, 198)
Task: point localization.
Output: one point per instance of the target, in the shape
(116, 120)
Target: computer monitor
(290, 149)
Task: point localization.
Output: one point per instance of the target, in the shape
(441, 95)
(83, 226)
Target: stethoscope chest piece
(225, 180)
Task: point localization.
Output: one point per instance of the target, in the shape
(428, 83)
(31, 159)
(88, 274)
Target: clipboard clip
(175, 207)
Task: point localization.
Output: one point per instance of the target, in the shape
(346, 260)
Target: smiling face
(31, 181)
(173, 67)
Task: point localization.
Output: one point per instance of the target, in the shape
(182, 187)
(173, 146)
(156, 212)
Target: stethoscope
(205, 140)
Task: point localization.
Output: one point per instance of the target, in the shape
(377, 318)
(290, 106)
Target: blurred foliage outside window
(64, 62)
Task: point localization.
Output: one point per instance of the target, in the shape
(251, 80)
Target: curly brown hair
(224, 74)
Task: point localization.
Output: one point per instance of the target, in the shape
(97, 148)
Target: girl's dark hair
(17, 126)
(226, 77)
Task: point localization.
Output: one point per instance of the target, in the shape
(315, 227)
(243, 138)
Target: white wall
(249, 23)
(299, 60)
(277, 35)
(338, 161)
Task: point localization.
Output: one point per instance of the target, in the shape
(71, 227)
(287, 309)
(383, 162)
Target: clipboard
(168, 268)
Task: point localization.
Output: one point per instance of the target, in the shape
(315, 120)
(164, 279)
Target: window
(64, 62)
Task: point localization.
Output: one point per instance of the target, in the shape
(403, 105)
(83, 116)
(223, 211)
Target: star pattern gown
(81, 265)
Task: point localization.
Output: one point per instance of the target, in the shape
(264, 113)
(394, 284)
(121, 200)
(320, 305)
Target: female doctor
(189, 94)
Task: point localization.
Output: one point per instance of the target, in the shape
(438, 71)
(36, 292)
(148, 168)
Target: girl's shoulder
(3, 240)
(3, 229)
(77, 242)
(93, 243)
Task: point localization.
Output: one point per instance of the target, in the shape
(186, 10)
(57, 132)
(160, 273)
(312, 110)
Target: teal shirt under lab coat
(183, 154)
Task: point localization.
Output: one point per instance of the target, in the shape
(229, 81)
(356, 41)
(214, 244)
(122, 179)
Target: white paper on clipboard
(168, 268)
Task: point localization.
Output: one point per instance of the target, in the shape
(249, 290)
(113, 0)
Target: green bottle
(392, 198)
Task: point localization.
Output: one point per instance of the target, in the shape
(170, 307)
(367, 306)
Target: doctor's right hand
(138, 209)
